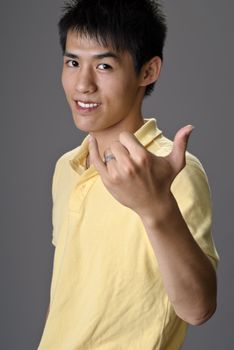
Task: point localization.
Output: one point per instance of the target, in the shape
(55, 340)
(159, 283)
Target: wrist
(160, 213)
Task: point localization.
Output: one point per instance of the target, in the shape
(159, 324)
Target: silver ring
(109, 157)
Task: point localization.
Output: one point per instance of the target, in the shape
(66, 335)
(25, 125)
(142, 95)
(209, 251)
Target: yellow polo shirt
(107, 291)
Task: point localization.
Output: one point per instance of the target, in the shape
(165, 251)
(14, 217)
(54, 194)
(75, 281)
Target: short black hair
(136, 26)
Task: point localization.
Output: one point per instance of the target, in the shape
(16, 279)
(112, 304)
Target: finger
(131, 143)
(112, 167)
(177, 155)
(119, 151)
(95, 157)
(108, 157)
(107, 152)
(122, 163)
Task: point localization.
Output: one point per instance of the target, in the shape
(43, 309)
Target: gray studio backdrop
(195, 87)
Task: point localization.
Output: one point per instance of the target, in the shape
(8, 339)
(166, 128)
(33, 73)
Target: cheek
(66, 82)
(64, 85)
(127, 94)
(129, 85)
(117, 89)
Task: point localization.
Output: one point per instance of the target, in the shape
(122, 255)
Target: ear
(150, 71)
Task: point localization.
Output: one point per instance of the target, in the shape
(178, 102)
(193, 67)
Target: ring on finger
(109, 157)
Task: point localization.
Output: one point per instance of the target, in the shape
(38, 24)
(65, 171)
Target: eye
(72, 63)
(104, 66)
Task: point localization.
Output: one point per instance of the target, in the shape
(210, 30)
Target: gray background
(196, 86)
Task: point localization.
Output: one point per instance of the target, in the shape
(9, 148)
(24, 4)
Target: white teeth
(87, 105)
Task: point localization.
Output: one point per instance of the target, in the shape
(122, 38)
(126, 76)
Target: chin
(93, 123)
(81, 125)
(85, 127)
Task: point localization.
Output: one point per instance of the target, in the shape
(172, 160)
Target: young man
(134, 258)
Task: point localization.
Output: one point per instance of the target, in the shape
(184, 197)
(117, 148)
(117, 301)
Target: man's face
(100, 85)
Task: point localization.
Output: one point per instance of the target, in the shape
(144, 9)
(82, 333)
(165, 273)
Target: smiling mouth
(87, 106)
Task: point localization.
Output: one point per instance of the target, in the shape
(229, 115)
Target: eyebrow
(98, 56)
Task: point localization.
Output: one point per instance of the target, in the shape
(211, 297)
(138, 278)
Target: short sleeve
(192, 193)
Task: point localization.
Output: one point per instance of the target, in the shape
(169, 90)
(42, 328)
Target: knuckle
(129, 169)
(115, 178)
(144, 159)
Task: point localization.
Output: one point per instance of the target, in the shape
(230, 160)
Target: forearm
(188, 275)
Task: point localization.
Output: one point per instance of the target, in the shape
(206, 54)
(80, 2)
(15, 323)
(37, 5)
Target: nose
(85, 82)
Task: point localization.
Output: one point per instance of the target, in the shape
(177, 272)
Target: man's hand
(137, 178)
(142, 181)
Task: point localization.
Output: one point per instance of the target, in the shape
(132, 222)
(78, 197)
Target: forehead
(87, 45)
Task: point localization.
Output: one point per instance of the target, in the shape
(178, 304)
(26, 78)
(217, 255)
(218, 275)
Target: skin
(187, 273)
(118, 89)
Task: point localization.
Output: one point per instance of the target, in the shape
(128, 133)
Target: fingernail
(91, 138)
(191, 126)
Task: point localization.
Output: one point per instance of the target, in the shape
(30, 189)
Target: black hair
(136, 26)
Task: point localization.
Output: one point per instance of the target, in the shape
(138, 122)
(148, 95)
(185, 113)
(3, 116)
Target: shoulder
(162, 146)
(192, 192)
(63, 162)
(62, 166)
(66, 157)
(192, 182)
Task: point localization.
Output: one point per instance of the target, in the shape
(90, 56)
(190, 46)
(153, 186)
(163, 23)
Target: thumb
(177, 155)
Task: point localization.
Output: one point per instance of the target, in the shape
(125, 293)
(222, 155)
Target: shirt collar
(146, 134)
